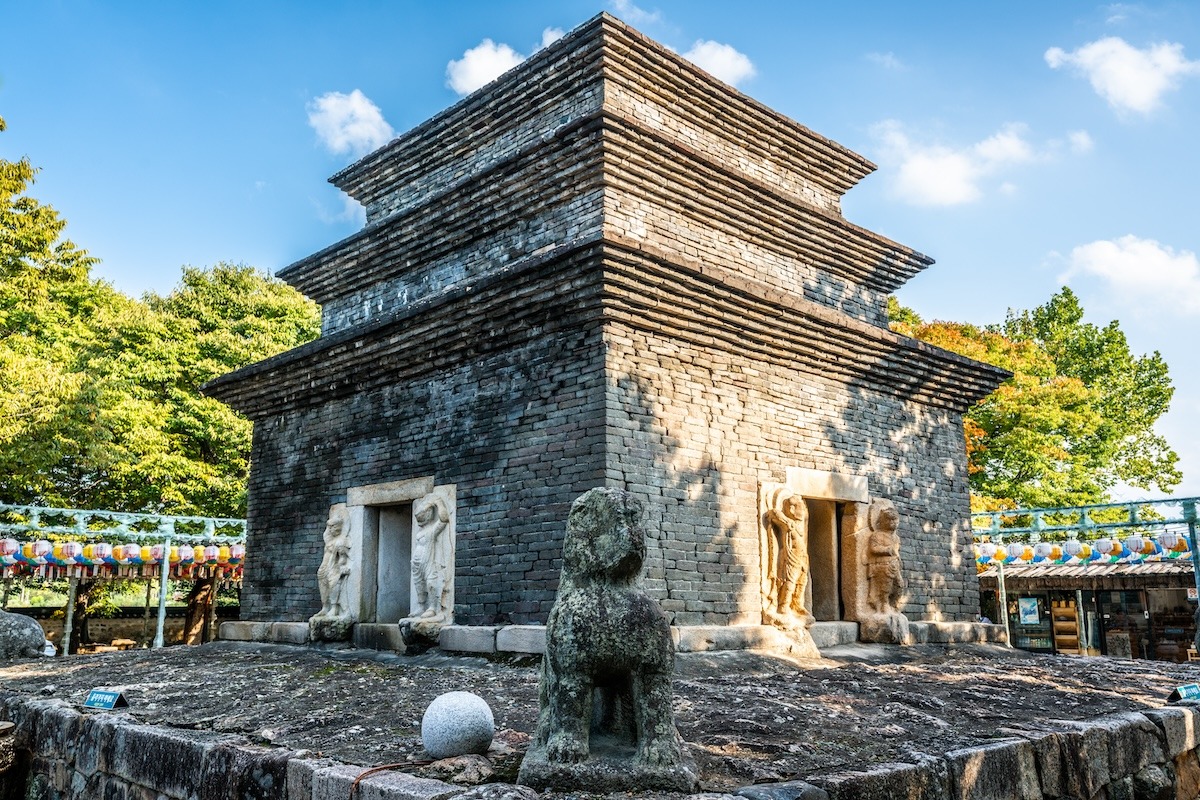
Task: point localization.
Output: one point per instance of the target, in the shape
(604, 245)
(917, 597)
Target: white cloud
(938, 175)
(487, 61)
(1080, 142)
(351, 211)
(721, 60)
(887, 61)
(1006, 146)
(1140, 272)
(1129, 79)
(634, 15)
(480, 65)
(1117, 12)
(349, 123)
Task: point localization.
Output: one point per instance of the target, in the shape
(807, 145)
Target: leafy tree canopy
(1076, 418)
(100, 405)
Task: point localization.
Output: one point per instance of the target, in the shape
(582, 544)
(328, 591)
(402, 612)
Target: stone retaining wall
(66, 754)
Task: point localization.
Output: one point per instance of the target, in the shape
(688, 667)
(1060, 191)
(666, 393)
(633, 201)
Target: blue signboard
(104, 698)
(1189, 691)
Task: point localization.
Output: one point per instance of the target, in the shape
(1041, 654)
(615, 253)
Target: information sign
(106, 699)
(1189, 691)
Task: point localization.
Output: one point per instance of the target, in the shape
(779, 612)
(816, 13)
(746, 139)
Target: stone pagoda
(607, 268)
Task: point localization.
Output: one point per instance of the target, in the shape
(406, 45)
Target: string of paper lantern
(54, 560)
(1134, 548)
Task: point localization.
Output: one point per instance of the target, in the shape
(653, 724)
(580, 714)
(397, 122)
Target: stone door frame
(826, 553)
(362, 512)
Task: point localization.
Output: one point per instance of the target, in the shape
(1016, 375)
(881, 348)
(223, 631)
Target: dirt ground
(747, 718)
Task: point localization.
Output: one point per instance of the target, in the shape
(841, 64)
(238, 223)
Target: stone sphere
(456, 724)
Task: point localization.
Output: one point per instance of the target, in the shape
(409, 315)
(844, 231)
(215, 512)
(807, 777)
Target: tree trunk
(200, 602)
(145, 640)
(79, 617)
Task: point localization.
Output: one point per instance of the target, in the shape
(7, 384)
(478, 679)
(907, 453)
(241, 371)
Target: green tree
(1128, 392)
(48, 310)
(1075, 419)
(100, 405)
(223, 319)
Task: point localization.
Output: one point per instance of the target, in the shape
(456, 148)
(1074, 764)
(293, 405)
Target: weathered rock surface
(20, 637)
(874, 724)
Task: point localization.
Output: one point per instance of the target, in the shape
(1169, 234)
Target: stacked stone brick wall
(490, 221)
(693, 431)
(515, 420)
(550, 92)
(605, 267)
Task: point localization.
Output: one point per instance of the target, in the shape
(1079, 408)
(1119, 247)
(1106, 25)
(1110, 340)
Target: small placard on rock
(106, 699)
(1189, 691)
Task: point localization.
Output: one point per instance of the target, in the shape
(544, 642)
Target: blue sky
(1024, 145)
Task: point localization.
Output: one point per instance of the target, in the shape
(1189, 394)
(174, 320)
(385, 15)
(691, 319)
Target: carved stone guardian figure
(605, 722)
(786, 563)
(884, 579)
(335, 619)
(431, 570)
(432, 559)
(874, 595)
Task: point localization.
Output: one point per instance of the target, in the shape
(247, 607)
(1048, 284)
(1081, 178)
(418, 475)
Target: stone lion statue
(605, 718)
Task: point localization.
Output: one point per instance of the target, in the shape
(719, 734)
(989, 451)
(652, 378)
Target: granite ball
(457, 724)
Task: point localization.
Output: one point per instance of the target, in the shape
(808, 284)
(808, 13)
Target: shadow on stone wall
(692, 561)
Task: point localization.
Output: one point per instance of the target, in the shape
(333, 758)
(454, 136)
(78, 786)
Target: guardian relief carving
(785, 559)
(885, 582)
(334, 620)
(874, 591)
(432, 559)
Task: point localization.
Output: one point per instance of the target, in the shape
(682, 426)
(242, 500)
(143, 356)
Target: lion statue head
(605, 542)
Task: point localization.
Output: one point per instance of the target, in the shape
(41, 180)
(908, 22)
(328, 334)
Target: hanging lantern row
(1165, 546)
(100, 559)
